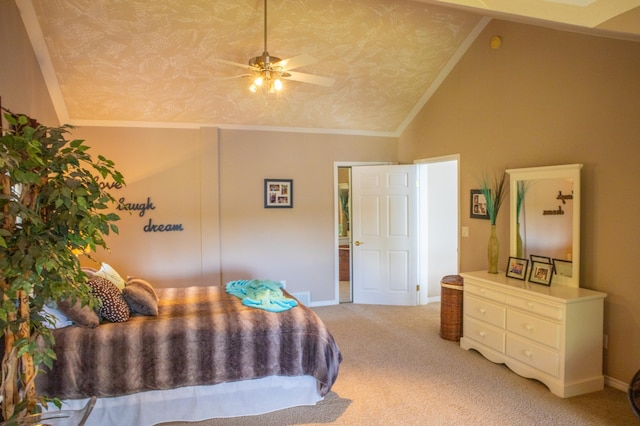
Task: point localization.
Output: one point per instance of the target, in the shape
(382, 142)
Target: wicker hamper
(451, 307)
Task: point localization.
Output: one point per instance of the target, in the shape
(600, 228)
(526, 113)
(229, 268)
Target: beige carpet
(398, 371)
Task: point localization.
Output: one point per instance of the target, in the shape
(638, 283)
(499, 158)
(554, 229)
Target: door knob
(357, 243)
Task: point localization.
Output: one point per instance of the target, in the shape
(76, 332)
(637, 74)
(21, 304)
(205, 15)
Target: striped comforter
(201, 336)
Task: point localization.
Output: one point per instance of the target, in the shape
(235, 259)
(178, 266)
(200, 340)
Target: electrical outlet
(605, 341)
(465, 231)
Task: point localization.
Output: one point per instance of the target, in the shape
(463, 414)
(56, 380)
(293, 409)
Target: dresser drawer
(483, 333)
(545, 360)
(535, 307)
(488, 293)
(534, 328)
(485, 311)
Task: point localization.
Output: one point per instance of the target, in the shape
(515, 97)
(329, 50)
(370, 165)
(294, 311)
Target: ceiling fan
(268, 71)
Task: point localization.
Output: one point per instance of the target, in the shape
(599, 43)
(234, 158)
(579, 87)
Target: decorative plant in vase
(51, 205)
(494, 192)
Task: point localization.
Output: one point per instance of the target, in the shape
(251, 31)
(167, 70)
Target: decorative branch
(494, 192)
(523, 186)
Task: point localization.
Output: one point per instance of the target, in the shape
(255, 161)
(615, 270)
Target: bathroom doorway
(344, 234)
(438, 221)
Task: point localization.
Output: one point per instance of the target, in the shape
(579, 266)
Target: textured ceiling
(154, 62)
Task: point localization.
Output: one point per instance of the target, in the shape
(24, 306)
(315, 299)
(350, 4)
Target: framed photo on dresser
(541, 273)
(517, 268)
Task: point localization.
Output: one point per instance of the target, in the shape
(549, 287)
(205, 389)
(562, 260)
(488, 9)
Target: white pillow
(106, 271)
(55, 318)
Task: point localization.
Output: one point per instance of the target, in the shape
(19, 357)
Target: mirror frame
(567, 171)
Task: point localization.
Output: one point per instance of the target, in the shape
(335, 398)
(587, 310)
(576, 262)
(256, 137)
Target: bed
(203, 355)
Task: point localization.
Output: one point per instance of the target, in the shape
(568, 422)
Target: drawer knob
(528, 327)
(483, 311)
(531, 305)
(482, 333)
(528, 353)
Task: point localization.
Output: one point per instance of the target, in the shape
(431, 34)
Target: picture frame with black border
(563, 267)
(536, 258)
(541, 273)
(478, 203)
(278, 193)
(517, 268)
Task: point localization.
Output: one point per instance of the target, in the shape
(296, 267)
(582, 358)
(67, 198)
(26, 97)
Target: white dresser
(552, 334)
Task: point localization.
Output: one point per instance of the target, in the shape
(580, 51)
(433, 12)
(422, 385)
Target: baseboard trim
(616, 384)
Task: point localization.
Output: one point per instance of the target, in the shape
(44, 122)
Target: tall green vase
(518, 241)
(492, 251)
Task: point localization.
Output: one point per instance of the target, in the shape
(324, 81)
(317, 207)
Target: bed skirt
(195, 403)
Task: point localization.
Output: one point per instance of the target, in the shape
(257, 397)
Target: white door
(384, 235)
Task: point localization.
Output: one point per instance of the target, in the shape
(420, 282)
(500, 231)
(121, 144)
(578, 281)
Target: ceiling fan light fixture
(268, 81)
(268, 71)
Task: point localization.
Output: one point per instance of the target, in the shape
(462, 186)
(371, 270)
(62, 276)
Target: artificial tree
(51, 206)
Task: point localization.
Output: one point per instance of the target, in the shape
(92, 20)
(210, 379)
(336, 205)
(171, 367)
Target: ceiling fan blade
(233, 77)
(296, 62)
(236, 64)
(310, 78)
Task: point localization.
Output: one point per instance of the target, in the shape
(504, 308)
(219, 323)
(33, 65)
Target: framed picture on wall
(517, 268)
(541, 273)
(278, 193)
(478, 205)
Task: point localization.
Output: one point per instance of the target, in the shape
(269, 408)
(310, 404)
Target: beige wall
(212, 184)
(549, 97)
(22, 86)
(172, 175)
(298, 244)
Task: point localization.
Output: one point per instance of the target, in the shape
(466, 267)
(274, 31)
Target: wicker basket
(451, 307)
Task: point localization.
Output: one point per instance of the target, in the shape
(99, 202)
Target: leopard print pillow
(113, 306)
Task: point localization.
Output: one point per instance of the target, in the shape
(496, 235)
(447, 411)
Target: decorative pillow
(82, 316)
(141, 297)
(106, 271)
(89, 271)
(113, 306)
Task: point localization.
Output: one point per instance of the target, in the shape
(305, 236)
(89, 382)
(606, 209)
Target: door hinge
(417, 287)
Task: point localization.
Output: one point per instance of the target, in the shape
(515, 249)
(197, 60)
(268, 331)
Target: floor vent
(304, 298)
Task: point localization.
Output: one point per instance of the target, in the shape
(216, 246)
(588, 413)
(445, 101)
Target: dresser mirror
(545, 218)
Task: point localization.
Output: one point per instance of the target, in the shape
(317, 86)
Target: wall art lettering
(141, 207)
(553, 212)
(170, 227)
(110, 185)
(564, 197)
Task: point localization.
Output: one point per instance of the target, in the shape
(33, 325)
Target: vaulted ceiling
(156, 62)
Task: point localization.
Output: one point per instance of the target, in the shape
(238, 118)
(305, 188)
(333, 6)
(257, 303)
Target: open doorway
(344, 234)
(438, 222)
(344, 224)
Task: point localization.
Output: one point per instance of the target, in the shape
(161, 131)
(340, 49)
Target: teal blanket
(262, 294)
